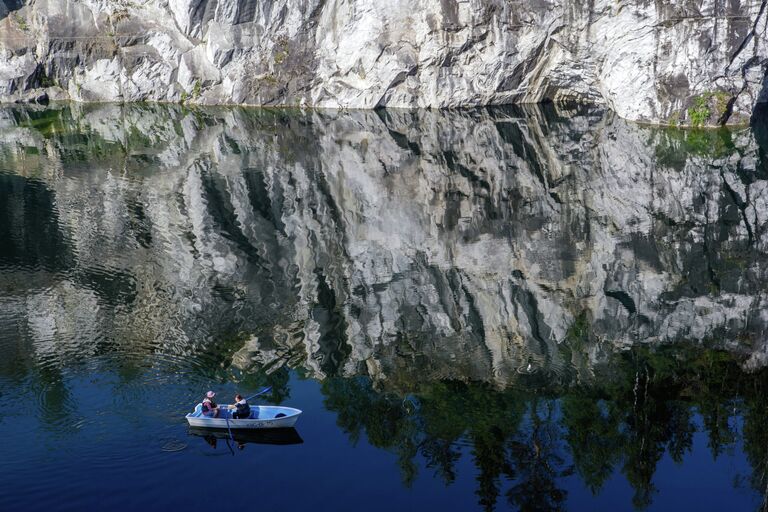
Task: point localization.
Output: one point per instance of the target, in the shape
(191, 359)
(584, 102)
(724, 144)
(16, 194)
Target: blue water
(477, 310)
(112, 451)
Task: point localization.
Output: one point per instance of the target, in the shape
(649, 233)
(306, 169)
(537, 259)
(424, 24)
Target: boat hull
(262, 417)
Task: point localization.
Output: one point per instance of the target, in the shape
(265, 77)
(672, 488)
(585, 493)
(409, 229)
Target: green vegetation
(722, 99)
(45, 81)
(675, 145)
(280, 57)
(699, 112)
(48, 122)
(674, 119)
(197, 89)
(711, 143)
(194, 94)
(578, 333)
(708, 105)
(281, 49)
(270, 80)
(20, 22)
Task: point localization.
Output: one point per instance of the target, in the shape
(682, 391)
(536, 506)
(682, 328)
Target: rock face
(674, 61)
(477, 245)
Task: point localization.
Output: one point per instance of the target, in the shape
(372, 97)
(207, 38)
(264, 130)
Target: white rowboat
(262, 416)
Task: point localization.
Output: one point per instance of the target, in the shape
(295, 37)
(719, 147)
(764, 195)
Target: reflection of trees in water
(524, 442)
(537, 455)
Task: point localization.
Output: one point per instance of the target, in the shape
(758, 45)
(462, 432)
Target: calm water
(498, 309)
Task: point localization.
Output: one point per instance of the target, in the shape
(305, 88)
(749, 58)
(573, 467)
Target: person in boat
(210, 408)
(242, 409)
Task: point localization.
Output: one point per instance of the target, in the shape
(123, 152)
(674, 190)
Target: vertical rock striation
(475, 244)
(685, 62)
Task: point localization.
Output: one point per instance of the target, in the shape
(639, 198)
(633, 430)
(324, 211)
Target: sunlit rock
(673, 62)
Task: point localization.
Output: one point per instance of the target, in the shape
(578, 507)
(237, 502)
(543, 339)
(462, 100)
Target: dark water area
(494, 309)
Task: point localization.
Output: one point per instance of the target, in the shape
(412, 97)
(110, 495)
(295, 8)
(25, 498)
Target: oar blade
(265, 390)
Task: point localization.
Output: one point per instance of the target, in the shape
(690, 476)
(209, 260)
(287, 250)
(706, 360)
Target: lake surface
(496, 309)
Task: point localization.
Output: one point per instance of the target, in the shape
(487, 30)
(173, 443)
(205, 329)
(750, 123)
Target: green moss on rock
(708, 109)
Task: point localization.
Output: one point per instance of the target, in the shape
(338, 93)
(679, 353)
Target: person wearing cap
(243, 409)
(210, 408)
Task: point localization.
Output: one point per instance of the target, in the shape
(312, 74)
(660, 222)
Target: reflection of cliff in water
(470, 245)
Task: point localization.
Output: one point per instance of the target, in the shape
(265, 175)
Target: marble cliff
(686, 62)
(473, 244)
